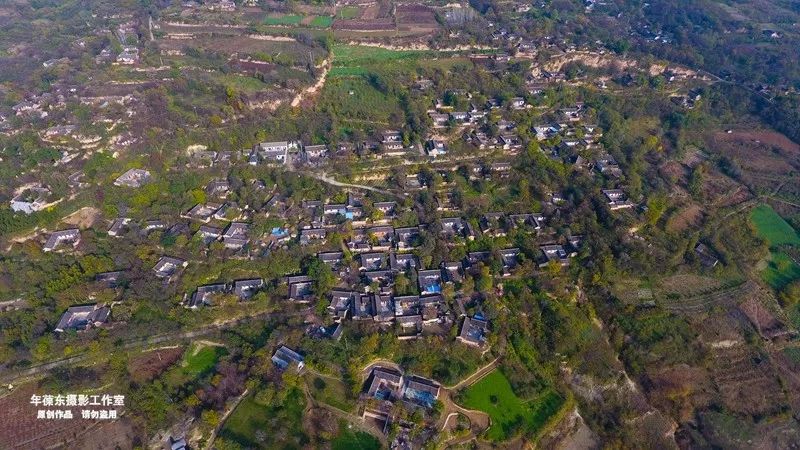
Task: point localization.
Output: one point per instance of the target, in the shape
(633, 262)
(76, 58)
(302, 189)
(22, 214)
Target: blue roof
(423, 398)
(433, 288)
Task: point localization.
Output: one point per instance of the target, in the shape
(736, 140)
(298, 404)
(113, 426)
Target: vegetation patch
(321, 22)
(348, 439)
(359, 99)
(781, 268)
(355, 55)
(348, 12)
(201, 360)
(348, 72)
(793, 353)
(287, 19)
(509, 414)
(275, 425)
(330, 391)
(772, 228)
(794, 315)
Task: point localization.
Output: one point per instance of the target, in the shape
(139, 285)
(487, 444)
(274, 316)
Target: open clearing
(330, 391)
(356, 55)
(772, 227)
(284, 421)
(758, 151)
(354, 440)
(509, 414)
(197, 362)
(287, 19)
(20, 429)
(780, 270)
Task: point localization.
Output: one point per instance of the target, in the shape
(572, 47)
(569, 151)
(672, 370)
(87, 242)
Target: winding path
(477, 375)
(326, 179)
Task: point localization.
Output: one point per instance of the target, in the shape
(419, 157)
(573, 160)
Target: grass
(321, 22)
(794, 315)
(348, 72)
(348, 12)
(366, 103)
(199, 362)
(793, 353)
(243, 83)
(772, 227)
(347, 439)
(283, 425)
(330, 391)
(287, 19)
(355, 55)
(781, 269)
(510, 414)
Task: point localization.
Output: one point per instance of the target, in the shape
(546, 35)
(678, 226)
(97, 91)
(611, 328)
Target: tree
(210, 418)
(401, 284)
(656, 206)
(484, 283)
(321, 275)
(790, 296)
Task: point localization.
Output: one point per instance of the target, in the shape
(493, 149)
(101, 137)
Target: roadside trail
(14, 377)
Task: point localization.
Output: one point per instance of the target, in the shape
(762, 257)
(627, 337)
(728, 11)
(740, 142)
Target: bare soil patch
(760, 151)
(83, 218)
(149, 365)
(686, 217)
(747, 382)
(20, 429)
(416, 16)
(680, 390)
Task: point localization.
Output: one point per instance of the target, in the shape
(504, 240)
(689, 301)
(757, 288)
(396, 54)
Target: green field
(356, 55)
(201, 361)
(358, 100)
(198, 361)
(354, 440)
(283, 424)
(509, 414)
(321, 22)
(348, 12)
(330, 391)
(288, 19)
(347, 72)
(780, 270)
(771, 227)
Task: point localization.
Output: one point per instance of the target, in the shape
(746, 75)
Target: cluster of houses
(382, 253)
(30, 199)
(386, 387)
(389, 385)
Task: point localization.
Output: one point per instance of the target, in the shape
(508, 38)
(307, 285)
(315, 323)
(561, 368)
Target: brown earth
(149, 365)
(689, 216)
(759, 151)
(20, 429)
(416, 15)
(84, 217)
